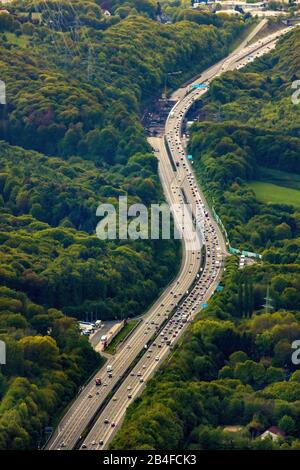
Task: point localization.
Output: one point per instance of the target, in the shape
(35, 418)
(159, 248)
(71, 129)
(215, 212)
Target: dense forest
(232, 377)
(228, 381)
(78, 79)
(256, 133)
(47, 361)
(86, 126)
(81, 94)
(48, 246)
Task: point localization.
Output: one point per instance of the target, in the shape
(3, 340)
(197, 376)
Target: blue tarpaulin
(199, 86)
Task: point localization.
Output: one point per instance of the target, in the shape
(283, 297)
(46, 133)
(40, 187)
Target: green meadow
(273, 194)
(278, 187)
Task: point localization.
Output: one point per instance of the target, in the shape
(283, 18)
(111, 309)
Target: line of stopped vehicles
(123, 379)
(170, 319)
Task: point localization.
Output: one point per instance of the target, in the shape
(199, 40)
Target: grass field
(273, 194)
(280, 178)
(111, 349)
(277, 187)
(21, 41)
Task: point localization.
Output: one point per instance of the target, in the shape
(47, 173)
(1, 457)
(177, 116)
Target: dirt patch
(232, 428)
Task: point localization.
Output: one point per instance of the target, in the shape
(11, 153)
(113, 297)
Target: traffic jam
(179, 313)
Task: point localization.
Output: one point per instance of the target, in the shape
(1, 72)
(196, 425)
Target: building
(274, 432)
(229, 12)
(292, 20)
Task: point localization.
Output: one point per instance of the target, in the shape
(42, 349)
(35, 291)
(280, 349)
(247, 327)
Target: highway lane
(85, 407)
(80, 413)
(91, 398)
(210, 72)
(113, 414)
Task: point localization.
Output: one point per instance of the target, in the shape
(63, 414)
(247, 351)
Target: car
(157, 358)
(90, 395)
(115, 398)
(93, 443)
(113, 424)
(83, 446)
(106, 421)
(141, 380)
(129, 395)
(101, 442)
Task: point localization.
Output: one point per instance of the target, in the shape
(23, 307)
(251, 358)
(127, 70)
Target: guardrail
(170, 154)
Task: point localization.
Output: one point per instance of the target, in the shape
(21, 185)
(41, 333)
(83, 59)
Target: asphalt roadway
(170, 315)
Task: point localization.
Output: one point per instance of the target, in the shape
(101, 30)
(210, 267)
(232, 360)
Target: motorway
(169, 316)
